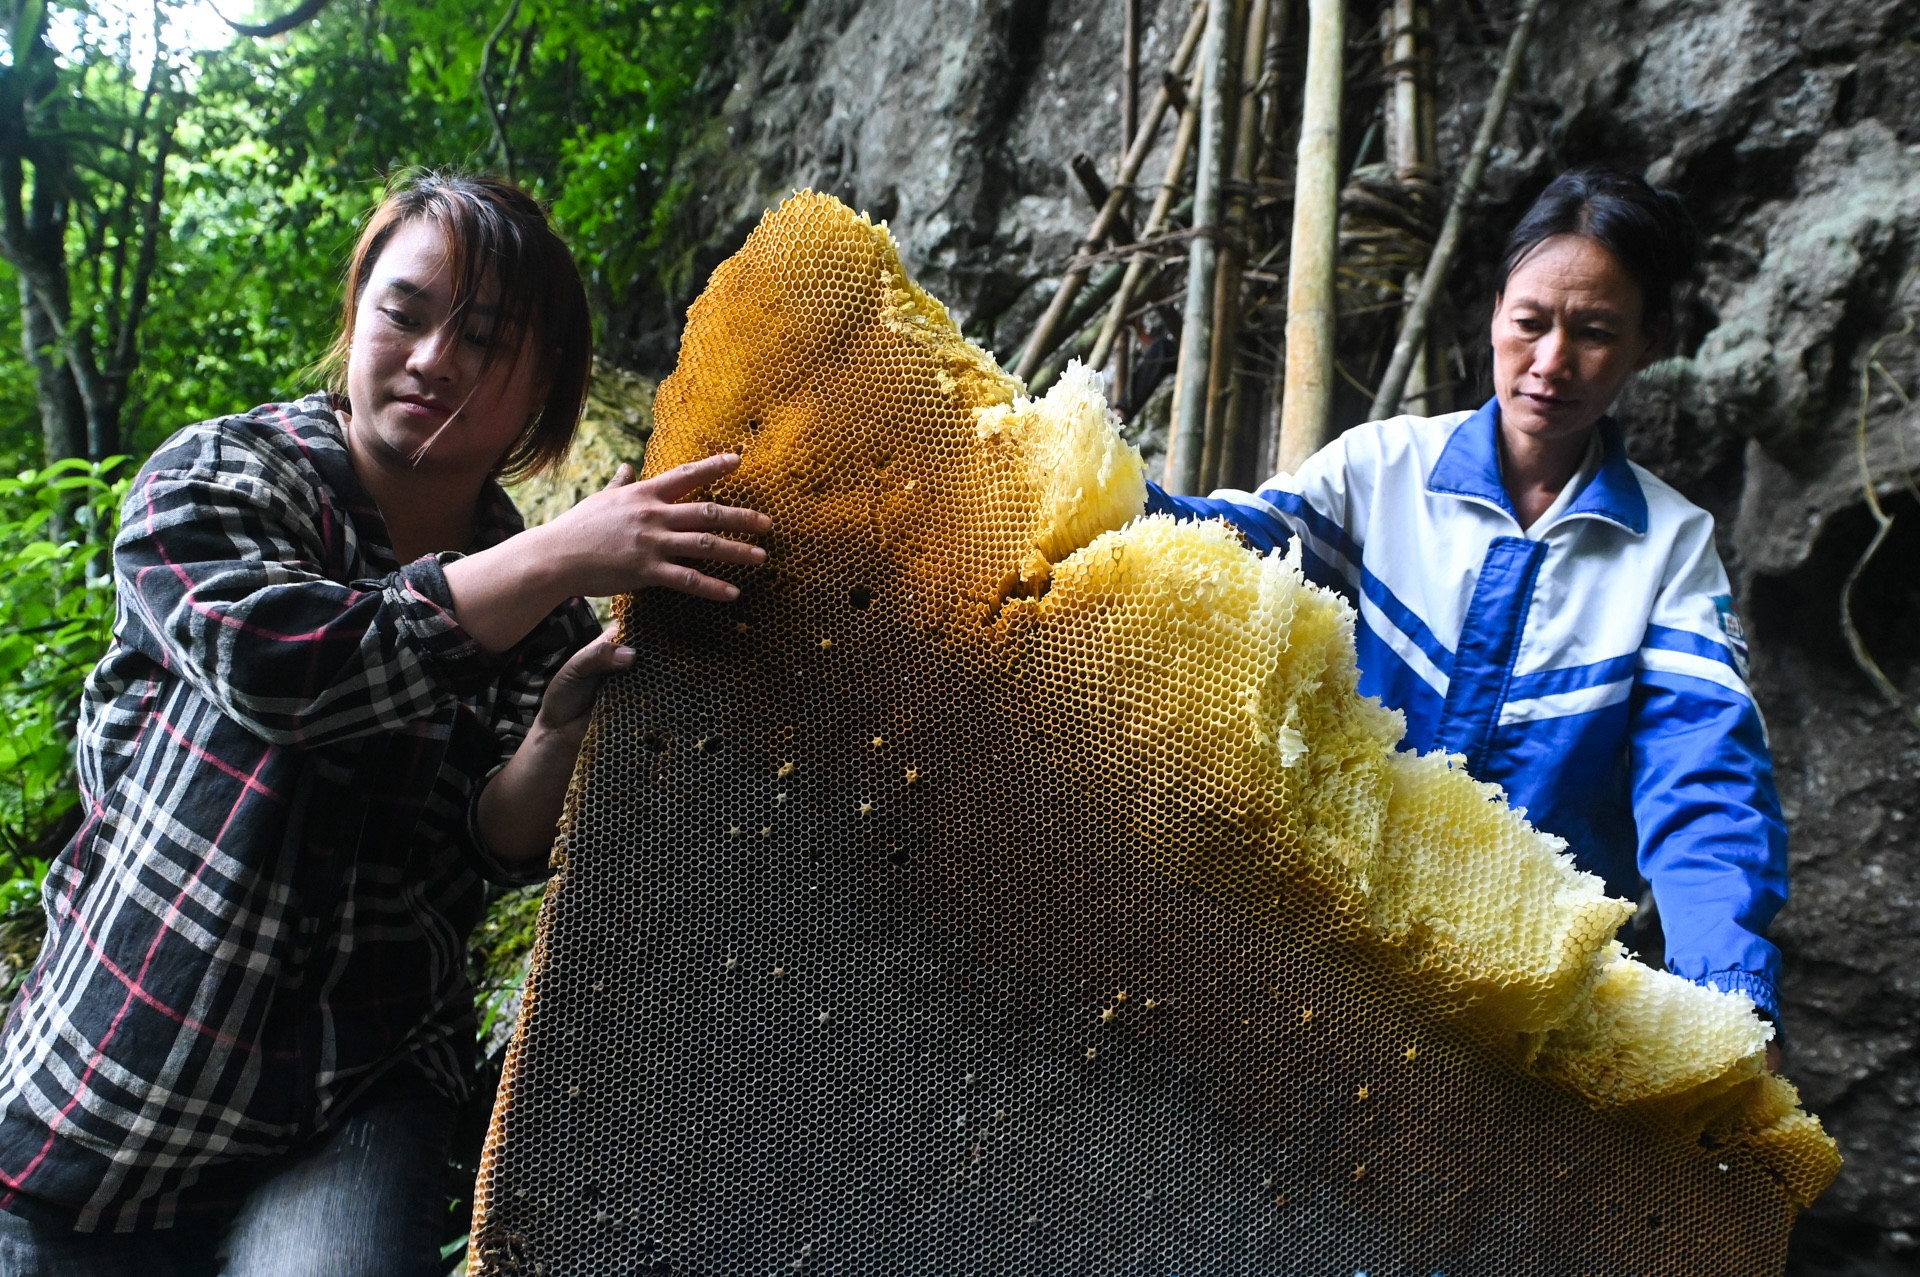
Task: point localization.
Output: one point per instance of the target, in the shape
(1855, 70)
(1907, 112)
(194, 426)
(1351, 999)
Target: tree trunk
(63, 418)
(35, 245)
(107, 427)
(83, 365)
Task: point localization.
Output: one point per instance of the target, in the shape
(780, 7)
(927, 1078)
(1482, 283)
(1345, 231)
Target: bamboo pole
(1087, 173)
(1273, 158)
(1316, 226)
(1228, 418)
(1085, 307)
(1040, 343)
(1139, 263)
(1273, 65)
(1402, 52)
(1122, 375)
(1429, 132)
(1261, 73)
(1129, 74)
(1187, 436)
(1223, 382)
(1406, 134)
(1413, 329)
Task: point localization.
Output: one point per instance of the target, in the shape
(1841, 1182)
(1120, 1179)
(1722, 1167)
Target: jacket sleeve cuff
(1757, 987)
(423, 601)
(495, 870)
(1160, 501)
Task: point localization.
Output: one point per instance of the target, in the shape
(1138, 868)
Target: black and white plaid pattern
(266, 909)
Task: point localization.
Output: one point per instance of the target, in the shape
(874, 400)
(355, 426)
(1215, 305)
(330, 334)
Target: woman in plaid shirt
(345, 688)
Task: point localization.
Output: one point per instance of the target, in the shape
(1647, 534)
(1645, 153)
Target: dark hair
(1646, 227)
(493, 228)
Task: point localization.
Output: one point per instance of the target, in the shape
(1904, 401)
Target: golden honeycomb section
(1112, 773)
(810, 350)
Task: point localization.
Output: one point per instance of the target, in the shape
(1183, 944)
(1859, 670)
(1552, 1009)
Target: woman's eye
(479, 339)
(400, 317)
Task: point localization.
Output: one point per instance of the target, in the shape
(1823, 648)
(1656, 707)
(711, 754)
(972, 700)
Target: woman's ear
(1657, 334)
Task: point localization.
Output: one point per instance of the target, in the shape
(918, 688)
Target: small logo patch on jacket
(1735, 632)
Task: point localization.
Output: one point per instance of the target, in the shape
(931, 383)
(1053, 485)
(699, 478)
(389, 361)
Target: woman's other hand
(520, 808)
(568, 702)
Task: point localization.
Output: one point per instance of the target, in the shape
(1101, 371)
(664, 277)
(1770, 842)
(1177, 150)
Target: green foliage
(19, 413)
(55, 527)
(582, 101)
(87, 122)
(502, 948)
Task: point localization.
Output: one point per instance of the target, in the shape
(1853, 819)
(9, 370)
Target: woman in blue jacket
(1531, 599)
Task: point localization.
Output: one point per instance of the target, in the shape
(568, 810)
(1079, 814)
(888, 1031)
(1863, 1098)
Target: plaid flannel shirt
(266, 909)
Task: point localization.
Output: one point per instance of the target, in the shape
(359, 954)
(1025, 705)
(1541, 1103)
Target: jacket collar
(1469, 467)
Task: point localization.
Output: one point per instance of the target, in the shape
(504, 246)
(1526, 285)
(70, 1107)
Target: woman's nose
(432, 356)
(1550, 354)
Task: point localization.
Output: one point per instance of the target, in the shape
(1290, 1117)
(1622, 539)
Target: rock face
(1793, 128)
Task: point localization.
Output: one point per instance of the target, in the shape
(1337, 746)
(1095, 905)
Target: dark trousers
(367, 1200)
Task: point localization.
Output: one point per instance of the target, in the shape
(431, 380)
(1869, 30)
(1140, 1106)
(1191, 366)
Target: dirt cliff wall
(1792, 126)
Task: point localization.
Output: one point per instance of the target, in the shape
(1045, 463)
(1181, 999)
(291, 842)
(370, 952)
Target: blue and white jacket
(1592, 666)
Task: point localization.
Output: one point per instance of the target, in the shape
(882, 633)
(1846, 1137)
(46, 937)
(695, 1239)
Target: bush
(56, 527)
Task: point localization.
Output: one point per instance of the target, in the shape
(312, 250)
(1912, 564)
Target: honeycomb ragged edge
(1576, 1008)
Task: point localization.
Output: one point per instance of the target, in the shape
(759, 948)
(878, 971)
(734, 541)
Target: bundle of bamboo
(1267, 240)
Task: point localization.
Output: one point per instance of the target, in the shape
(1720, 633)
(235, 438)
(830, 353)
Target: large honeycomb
(1008, 883)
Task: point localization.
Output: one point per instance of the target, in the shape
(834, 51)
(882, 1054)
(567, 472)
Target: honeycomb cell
(1093, 922)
